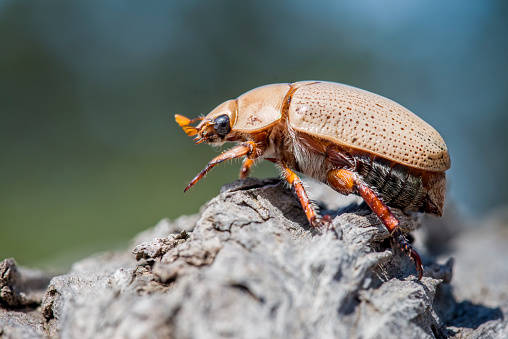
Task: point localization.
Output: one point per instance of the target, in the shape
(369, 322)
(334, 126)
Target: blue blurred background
(89, 150)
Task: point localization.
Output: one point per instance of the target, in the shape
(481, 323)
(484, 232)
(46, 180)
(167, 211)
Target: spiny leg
(347, 182)
(295, 181)
(392, 224)
(247, 164)
(244, 149)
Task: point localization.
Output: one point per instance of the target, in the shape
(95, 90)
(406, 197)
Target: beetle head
(234, 120)
(215, 127)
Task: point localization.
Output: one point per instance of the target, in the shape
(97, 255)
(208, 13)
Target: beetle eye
(221, 125)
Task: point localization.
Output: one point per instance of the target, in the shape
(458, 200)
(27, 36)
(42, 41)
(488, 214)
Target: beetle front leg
(347, 182)
(244, 149)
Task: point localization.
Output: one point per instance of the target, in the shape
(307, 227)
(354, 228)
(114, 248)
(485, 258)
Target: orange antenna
(184, 123)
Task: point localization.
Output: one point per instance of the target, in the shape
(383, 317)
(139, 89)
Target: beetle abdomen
(355, 118)
(396, 184)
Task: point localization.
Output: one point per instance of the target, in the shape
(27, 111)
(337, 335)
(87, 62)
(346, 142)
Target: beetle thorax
(306, 161)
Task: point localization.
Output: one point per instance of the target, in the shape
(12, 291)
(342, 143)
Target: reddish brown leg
(294, 181)
(347, 182)
(247, 164)
(244, 149)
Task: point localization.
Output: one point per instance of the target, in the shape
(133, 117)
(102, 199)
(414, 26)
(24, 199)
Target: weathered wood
(249, 266)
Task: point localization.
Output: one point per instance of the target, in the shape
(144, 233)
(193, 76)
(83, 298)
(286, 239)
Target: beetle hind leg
(400, 239)
(347, 182)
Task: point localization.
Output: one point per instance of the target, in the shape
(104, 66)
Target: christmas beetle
(353, 140)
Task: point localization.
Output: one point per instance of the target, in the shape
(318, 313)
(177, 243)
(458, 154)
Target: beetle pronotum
(355, 141)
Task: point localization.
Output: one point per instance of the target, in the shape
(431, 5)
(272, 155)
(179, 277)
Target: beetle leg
(295, 181)
(244, 149)
(247, 164)
(347, 182)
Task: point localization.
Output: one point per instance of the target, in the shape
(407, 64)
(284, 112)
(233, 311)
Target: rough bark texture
(249, 266)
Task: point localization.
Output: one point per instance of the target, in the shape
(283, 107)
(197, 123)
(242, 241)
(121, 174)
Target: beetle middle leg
(295, 181)
(347, 182)
(247, 164)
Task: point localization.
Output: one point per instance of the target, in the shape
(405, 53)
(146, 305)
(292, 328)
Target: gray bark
(249, 266)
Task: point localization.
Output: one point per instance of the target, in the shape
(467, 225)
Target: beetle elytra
(355, 141)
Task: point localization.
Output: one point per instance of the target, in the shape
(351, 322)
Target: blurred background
(90, 154)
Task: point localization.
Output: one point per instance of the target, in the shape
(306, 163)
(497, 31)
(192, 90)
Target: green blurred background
(90, 154)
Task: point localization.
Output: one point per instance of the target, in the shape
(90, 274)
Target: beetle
(355, 141)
